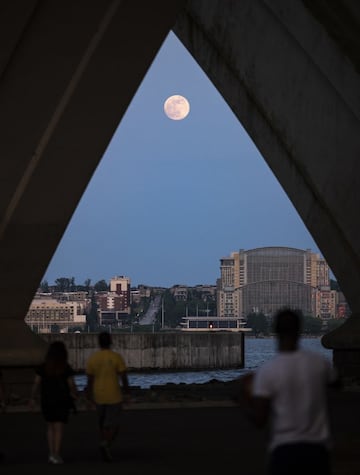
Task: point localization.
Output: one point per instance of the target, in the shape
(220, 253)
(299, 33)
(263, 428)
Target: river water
(257, 351)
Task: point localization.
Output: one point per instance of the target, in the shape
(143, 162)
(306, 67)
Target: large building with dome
(267, 278)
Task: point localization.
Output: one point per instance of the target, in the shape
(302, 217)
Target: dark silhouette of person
(54, 379)
(290, 392)
(107, 388)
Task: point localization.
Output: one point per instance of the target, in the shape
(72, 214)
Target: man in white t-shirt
(290, 391)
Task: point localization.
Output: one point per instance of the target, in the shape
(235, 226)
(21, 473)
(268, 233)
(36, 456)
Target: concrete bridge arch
(288, 70)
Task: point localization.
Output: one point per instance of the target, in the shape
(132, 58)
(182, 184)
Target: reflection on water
(257, 351)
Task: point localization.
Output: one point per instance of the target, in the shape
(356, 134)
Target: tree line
(68, 284)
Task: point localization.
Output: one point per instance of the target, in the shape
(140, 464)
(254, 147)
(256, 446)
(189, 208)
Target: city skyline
(170, 198)
(108, 279)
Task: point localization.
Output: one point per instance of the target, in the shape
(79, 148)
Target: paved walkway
(201, 438)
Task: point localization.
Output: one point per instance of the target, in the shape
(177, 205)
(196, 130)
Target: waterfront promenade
(178, 437)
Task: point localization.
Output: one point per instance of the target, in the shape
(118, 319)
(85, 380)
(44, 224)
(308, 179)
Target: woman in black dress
(55, 380)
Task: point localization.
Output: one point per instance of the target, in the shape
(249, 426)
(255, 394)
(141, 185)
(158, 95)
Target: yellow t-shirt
(105, 366)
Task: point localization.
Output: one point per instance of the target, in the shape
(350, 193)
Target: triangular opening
(170, 198)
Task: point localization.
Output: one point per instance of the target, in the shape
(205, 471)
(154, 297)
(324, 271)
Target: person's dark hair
(56, 358)
(104, 340)
(287, 322)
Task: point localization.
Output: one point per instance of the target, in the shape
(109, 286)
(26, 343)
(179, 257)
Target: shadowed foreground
(195, 438)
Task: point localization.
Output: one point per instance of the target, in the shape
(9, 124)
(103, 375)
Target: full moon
(176, 107)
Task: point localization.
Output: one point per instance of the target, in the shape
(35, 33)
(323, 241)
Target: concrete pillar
(344, 341)
(69, 70)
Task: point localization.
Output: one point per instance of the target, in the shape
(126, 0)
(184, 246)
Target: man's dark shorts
(109, 414)
(302, 458)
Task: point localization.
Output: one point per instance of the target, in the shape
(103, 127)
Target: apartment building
(179, 292)
(114, 306)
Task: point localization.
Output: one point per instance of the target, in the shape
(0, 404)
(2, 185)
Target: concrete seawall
(153, 351)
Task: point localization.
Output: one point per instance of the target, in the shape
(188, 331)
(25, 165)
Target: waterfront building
(229, 302)
(79, 296)
(228, 287)
(196, 323)
(265, 279)
(326, 301)
(48, 314)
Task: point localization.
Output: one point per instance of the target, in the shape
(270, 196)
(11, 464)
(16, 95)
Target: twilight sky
(170, 198)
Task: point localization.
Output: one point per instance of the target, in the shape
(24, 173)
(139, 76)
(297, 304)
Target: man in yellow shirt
(104, 369)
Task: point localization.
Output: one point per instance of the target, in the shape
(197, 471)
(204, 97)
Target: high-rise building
(120, 286)
(114, 305)
(228, 294)
(266, 279)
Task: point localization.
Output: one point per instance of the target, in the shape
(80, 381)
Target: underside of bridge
(69, 70)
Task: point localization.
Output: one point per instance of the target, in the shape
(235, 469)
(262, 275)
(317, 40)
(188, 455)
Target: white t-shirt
(296, 381)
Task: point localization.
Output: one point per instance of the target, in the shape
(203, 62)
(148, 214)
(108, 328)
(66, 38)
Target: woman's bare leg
(58, 436)
(51, 437)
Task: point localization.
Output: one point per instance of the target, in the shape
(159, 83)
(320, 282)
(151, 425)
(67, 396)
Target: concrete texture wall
(150, 351)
